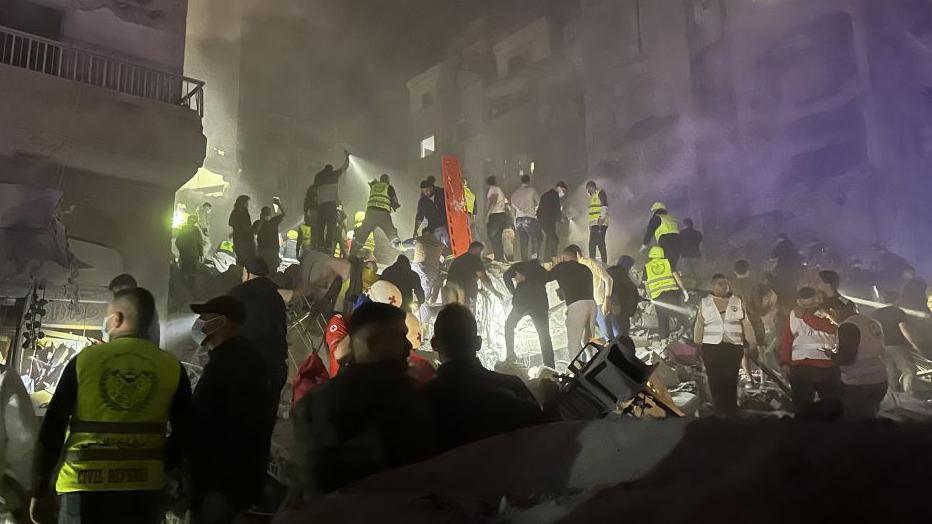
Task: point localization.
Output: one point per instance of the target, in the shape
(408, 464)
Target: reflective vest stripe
(596, 209)
(378, 196)
(93, 455)
(120, 428)
(668, 225)
(660, 277)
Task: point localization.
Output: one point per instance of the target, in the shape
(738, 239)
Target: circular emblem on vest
(657, 267)
(128, 382)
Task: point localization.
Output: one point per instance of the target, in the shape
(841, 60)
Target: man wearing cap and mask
(808, 339)
(229, 454)
(265, 326)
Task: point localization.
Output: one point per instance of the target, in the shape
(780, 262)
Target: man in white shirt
(525, 200)
(496, 217)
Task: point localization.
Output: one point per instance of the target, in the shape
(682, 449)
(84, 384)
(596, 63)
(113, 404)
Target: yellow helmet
(657, 207)
(292, 234)
(656, 252)
(360, 216)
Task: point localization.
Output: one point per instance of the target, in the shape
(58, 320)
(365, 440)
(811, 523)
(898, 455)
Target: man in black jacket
(625, 296)
(267, 229)
(472, 403)
(529, 298)
(432, 207)
(549, 214)
(406, 280)
(265, 327)
(369, 418)
(229, 415)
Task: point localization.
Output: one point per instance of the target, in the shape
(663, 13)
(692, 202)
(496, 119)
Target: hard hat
(226, 245)
(657, 207)
(385, 292)
(360, 216)
(414, 331)
(656, 252)
(292, 234)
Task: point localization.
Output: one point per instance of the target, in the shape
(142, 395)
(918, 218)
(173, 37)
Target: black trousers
(806, 381)
(327, 231)
(111, 507)
(528, 233)
(245, 248)
(498, 223)
(722, 362)
(541, 318)
(551, 239)
(671, 248)
(597, 242)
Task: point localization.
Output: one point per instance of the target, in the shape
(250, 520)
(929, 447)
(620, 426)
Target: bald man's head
(130, 313)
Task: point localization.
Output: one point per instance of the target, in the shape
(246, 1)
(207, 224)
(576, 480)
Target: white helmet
(414, 331)
(385, 292)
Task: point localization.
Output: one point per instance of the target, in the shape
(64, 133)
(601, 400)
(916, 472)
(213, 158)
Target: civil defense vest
(597, 210)
(660, 277)
(378, 197)
(116, 437)
(869, 368)
(720, 328)
(668, 225)
(808, 342)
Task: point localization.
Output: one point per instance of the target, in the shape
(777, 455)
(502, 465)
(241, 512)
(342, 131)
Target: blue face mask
(197, 330)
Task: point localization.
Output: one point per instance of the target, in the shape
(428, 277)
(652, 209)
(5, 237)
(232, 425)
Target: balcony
(93, 68)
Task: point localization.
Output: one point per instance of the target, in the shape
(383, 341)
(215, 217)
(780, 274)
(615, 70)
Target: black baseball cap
(257, 266)
(224, 305)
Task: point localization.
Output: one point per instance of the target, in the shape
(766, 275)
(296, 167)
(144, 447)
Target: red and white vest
(718, 328)
(809, 342)
(869, 368)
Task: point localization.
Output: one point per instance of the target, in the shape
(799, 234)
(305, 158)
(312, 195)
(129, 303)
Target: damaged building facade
(99, 129)
(754, 117)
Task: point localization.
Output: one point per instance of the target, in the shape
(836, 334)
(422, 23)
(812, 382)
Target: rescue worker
(203, 222)
(549, 214)
(525, 200)
(665, 229)
(267, 230)
(469, 199)
(598, 221)
(115, 402)
(190, 245)
(432, 207)
(664, 287)
(723, 331)
(383, 201)
(368, 245)
(860, 358)
(290, 246)
(575, 281)
(305, 236)
(807, 337)
(244, 236)
(529, 298)
(899, 342)
(428, 252)
(497, 219)
(602, 287)
(327, 189)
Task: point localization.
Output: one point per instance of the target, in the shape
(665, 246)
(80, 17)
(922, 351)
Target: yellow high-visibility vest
(378, 196)
(470, 199)
(304, 233)
(116, 437)
(597, 210)
(659, 277)
(668, 224)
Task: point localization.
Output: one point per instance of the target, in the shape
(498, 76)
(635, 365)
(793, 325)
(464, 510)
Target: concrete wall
(118, 159)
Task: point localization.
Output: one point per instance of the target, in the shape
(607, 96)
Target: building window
(427, 100)
(428, 146)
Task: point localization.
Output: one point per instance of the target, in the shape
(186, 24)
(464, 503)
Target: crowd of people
(375, 402)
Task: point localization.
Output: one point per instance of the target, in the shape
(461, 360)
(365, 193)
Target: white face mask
(104, 332)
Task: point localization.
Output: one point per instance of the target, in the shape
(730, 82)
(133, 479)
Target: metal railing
(66, 61)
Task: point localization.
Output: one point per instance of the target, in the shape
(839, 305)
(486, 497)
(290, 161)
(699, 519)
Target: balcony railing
(46, 56)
